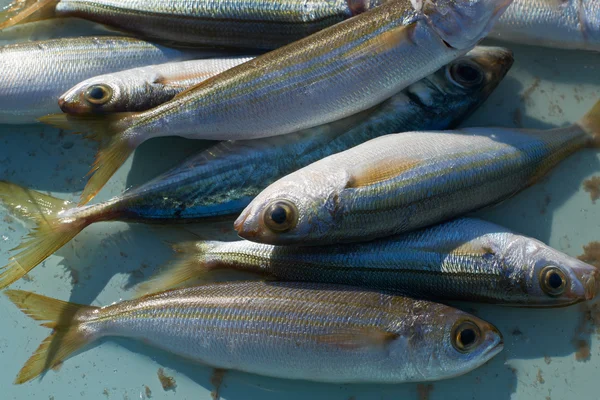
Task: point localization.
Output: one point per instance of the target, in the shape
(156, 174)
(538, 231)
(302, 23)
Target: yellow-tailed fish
(567, 24)
(223, 179)
(303, 331)
(33, 75)
(332, 74)
(248, 24)
(465, 259)
(398, 183)
(140, 89)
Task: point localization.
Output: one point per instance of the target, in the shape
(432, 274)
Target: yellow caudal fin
(59, 315)
(191, 263)
(22, 11)
(114, 147)
(591, 123)
(52, 231)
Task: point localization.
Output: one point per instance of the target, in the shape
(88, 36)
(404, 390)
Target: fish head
(449, 342)
(98, 95)
(461, 24)
(300, 206)
(457, 89)
(551, 278)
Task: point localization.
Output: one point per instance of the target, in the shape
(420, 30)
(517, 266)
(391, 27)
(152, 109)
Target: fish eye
(553, 281)
(98, 94)
(281, 216)
(465, 336)
(465, 73)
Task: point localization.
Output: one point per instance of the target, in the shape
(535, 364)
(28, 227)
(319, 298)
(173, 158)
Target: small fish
(398, 183)
(241, 24)
(223, 179)
(332, 74)
(34, 74)
(465, 259)
(332, 333)
(566, 24)
(141, 89)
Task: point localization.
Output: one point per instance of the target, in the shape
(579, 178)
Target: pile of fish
(337, 157)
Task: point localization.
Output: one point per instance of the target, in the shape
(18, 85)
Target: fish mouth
(238, 226)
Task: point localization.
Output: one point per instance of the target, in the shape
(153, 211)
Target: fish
(402, 182)
(305, 331)
(33, 75)
(143, 88)
(465, 259)
(223, 179)
(198, 23)
(564, 24)
(332, 74)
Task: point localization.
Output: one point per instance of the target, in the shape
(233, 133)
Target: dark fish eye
(98, 94)
(466, 73)
(465, 336)
(553, 281)
(281, 216)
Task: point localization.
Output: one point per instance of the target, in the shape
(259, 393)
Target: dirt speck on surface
(147, 391)
(591, 254)
(516, 332)
(424, 391)
(526, 96)
(518, 118)
(592, 186)
(8, 219)
(583, 350)
(539, 378)
(547, 360)
(216, 380)
(545, 204)
(167, 382)
(548, 398)
(105, 392)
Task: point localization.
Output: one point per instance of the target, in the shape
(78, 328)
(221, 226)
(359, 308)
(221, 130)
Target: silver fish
(465, 259)
(224, 179)
(248, 24)
(285, 330)
(398, 183)
(33, 75)
(567, 24)
(332, 74)
(140, 89)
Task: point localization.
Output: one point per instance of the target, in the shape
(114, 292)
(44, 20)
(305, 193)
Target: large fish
(250, 24)
(285, 330)
(567, 24)
(33, 75)
(330, 75)
(466, 259)
(225, 178)
(140, 89)
(398, 183)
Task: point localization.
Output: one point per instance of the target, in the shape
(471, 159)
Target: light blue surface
(545, 88)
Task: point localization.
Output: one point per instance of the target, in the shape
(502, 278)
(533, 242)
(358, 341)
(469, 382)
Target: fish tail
(193, 262)
(50, 234)
(66, 338)
(591, 124)
(114, 149)
(22, 11)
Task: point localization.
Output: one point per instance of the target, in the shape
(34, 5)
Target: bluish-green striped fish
(398, 183)
(251, 24)
(33, 75)
(140, 89)
(224, 179)
(285, 330)
(332, 74)
(465, 259)
(567, 24)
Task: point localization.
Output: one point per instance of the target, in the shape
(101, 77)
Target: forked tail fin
(59, 315)
(591, 123)
(114, 147)
(22, 11)
(51, 233)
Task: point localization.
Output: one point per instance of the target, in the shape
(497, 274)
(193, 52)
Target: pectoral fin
(380, 171)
